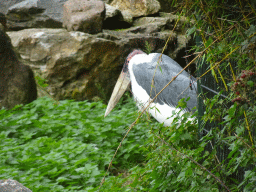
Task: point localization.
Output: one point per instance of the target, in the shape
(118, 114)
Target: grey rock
(137, 8)
(10, 185)
(17, 83)
(116, 19)
(77, 65)
(5, 4)
(112, 12)
(35, 14)
(86, 16)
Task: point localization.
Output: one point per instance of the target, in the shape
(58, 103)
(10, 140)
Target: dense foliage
(67, 146)
(221, 157)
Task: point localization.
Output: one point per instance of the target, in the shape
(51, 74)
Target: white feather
(142, 98)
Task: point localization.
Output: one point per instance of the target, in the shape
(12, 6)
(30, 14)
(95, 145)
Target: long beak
(120, 87)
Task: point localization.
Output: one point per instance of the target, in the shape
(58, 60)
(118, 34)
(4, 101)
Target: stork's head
(122, 82)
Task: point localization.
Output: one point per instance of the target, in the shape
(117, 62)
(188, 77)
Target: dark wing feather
(178, 89)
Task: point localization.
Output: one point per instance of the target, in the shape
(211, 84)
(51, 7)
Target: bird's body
(142, 68)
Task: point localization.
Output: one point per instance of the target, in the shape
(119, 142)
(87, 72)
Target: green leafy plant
(177, 159)
(148, 47)
(41, 81)
(67, 147)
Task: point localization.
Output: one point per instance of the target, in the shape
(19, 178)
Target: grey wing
(180, 88)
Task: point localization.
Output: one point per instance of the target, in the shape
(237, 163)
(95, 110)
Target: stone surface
(115, 19)
(127, 16)
(112, 12)
(183, 22)
(150, 25)
(137, 8)
(81, 66)
(22, 14)
(9, 185)
(84, 15)
(35, 14)
(17, 83)
(3, 21)
(5, 4)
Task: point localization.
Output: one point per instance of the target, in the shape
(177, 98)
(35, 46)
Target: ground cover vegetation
(179, 157)
(67, 146)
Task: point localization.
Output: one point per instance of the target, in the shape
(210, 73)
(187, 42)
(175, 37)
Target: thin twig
(245, 144)
(159, 59)
(190, 158)
(248, 127)
(151, 101)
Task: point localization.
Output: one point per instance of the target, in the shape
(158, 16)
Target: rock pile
(85, 59)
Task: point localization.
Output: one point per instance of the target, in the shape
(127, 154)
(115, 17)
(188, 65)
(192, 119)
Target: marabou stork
(139, 69)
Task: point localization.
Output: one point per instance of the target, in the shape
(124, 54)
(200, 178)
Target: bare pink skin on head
(134, 52)
(129, 57)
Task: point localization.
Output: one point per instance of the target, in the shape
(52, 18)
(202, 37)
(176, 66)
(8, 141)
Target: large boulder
(34, 14)
(80, 66)
(17, 83)
(84, 15)
(9, 185)
(137, 8)
(3, 21)
(5, 4)
(22, 14)
(115, 19)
